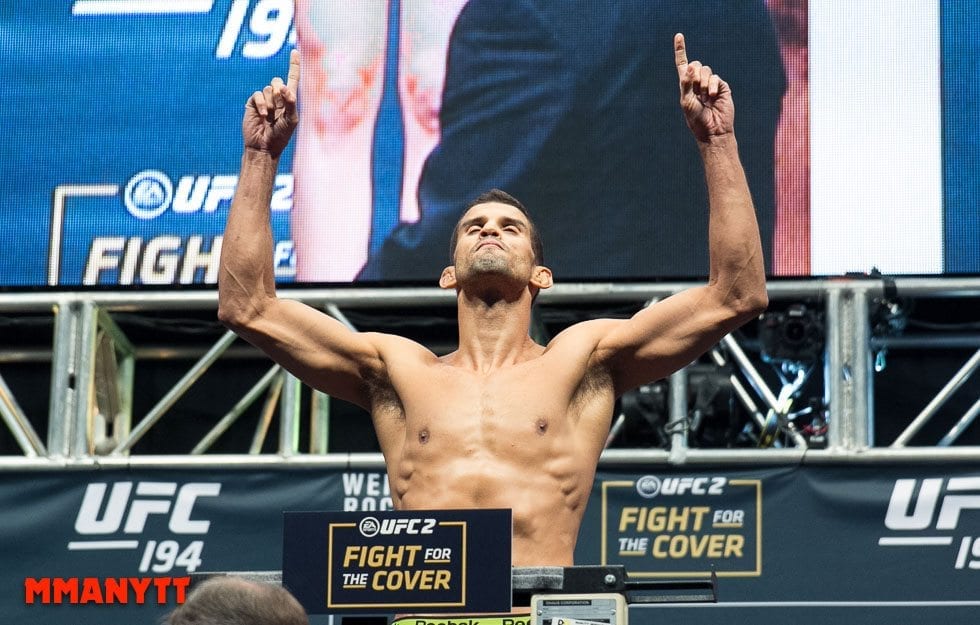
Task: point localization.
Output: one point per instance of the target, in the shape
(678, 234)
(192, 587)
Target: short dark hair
(501, 197)
(230, 600)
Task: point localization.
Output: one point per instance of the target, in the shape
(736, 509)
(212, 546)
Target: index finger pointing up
(680, 54)
(292, 79)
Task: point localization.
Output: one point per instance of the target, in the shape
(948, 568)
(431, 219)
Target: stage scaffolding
(90, 420)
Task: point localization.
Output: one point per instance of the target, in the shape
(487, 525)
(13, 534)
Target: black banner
(116, 546)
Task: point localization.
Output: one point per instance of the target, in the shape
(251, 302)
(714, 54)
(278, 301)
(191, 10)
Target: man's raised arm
(737, 268)
(311, 345)
(670, 334)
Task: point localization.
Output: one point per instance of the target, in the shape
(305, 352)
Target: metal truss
(90, 418)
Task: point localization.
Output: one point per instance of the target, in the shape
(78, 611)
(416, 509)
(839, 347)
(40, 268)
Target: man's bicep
(665, 337)
(317, 349)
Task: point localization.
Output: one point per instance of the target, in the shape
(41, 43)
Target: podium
(450, 562)
(546, 590)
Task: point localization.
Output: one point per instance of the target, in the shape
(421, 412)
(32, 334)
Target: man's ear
(448, 278)
(541, 277)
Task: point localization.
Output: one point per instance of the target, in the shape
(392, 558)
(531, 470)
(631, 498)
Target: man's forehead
(493, 209)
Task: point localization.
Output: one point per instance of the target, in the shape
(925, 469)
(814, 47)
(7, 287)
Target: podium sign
(432, 561)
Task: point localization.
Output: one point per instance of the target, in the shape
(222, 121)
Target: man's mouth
(496, 244)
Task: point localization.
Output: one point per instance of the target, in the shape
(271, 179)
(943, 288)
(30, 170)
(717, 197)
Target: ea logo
(369, 527)
(648, 486)
(148, 194)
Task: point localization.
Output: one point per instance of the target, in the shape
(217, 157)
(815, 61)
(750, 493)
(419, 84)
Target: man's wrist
(718, 142)
(253, 154)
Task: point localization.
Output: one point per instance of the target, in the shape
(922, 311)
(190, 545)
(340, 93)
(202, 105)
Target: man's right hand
(270, 114)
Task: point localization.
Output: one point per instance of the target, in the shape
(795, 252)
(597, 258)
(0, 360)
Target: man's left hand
(706, 99)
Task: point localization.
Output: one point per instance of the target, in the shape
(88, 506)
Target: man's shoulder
(584, 335)
(392, 346)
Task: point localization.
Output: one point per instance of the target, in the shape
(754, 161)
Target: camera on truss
(795, 335)
(644, 413)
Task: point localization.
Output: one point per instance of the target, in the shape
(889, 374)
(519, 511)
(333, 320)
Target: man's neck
(493, 332)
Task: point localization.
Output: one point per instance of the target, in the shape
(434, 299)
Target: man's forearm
(736, 260)
(246, 277)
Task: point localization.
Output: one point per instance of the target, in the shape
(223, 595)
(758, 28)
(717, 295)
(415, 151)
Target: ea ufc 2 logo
(934, 508)
(151, 498)
(371, 526)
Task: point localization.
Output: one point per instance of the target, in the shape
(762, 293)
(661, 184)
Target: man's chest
(534, 399)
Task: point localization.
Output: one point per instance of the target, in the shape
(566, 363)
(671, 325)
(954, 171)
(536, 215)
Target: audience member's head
(229, 600)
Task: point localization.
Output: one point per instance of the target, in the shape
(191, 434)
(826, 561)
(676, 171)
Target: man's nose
(489, 230)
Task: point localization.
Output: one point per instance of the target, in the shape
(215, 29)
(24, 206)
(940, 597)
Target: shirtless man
(502, 422)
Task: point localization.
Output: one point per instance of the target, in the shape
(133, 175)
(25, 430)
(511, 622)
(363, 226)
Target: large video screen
(856, 124)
